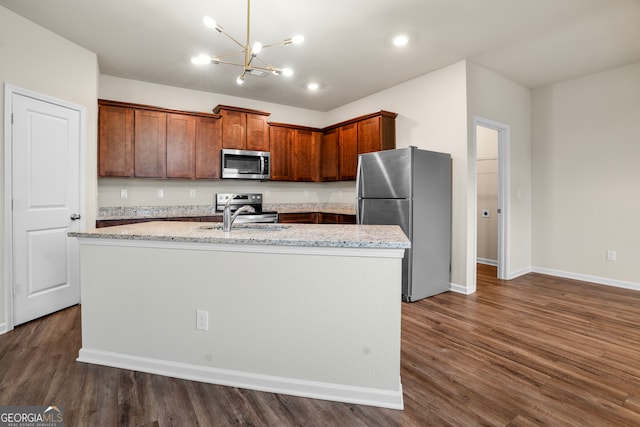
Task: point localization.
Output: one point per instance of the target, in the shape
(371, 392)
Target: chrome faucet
(228, 218)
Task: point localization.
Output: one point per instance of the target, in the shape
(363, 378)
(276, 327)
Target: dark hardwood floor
(537, 350)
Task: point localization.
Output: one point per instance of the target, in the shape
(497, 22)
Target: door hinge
(11, 118)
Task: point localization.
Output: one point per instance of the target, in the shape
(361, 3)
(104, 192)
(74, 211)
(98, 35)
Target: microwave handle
(261, 165)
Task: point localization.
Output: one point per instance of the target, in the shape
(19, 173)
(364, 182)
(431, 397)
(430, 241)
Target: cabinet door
(257, 132)
(298, 218)
(150, 144)
(348, 152)
(181, 138)
(330, 156)
(115, 142)
(328, 218)
(305, 155)
(234, 129)
(346, 219)
(208, 145)
(281, 146)
(369, 135)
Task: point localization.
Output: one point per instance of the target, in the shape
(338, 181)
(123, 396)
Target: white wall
(586, 153)
(494, 97)
(36, 59)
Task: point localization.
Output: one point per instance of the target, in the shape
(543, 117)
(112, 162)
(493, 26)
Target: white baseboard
(492, 262)
(588, 278)
(311, 389)
(3, 328)
(518, 273)
(460, 289)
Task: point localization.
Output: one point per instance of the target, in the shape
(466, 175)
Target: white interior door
(45, 154)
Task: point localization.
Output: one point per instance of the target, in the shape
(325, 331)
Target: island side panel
(329, 319)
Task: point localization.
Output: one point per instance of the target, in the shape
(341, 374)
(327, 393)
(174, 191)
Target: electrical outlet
(192, 193)
(124, 193)
(160, 193)
(202, 320)
(611, 255)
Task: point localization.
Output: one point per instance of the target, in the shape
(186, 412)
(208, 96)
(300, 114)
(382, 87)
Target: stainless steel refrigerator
(411, 188)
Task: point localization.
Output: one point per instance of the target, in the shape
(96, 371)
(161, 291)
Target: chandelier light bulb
(313, 86)
(287, 72)
(240, 79)
(201, 59)
(297, 39)
(257, 47)
(209, 22)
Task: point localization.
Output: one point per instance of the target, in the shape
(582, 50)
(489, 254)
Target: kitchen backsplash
(113, 192)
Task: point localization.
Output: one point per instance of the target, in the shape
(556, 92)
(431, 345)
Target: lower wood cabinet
(332, 218)
(113, 222)
(316, 218)
(298, 218)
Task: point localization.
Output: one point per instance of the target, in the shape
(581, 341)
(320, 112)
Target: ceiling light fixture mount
(249, 51)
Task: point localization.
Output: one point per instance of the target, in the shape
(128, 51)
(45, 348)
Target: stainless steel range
(236, 201)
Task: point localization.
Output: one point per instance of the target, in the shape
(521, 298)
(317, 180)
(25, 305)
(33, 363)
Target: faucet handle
(231, 197)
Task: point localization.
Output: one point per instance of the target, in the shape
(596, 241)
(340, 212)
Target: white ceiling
(347, 47)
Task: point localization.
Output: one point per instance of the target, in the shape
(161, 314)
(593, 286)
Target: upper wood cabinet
(373, 132)
(115, 136)
(208, 146)
(348, 151)
(143, 141)
(244, 129)
(330, 156)
(149, 142)
(306, 155)
(295, 152)
(377, 133)
(281, 141)
(181, 146)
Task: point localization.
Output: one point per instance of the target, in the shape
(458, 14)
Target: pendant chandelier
(252, 64)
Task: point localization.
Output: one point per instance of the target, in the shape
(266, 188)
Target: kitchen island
(306, 310)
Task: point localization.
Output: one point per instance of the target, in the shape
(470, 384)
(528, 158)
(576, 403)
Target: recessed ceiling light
(313, 86)
(400, 40)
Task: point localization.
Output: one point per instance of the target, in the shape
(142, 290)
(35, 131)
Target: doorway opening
(491, 154)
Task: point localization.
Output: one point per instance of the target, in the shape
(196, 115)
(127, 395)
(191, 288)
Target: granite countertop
(139, 212)
(307, 235)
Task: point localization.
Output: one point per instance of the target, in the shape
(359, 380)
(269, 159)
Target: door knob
(74, 217)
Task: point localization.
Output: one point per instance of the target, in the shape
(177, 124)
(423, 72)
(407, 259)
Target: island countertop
(306, 235)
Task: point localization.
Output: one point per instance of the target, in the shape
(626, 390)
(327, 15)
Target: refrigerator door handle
(359, 177)
(358, 190)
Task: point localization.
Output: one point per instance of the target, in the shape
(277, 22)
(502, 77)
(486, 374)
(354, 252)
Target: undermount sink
(249, 226)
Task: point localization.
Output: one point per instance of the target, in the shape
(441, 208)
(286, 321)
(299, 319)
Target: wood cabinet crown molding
(110, 103)
(381, 113)
(218, 108)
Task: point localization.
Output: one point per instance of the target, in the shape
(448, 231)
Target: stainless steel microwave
(245, 164)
